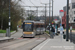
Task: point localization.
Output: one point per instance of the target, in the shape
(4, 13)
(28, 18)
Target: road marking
(20, 38)
(44, 44)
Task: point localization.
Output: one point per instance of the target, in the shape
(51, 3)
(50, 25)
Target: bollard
(70, 33)
(64, 36)
(17, 28)
(7, 32)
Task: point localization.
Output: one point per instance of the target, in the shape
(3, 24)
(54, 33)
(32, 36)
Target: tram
(28, 28)
(39, 27)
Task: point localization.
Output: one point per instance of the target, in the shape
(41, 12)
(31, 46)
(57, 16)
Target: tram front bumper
(28, 35)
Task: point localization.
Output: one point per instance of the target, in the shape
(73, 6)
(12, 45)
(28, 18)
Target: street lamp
(67, 21)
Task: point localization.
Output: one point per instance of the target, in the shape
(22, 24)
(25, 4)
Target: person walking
(53, 32)
(61, 32)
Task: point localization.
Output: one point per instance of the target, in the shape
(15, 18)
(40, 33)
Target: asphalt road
(23, 43)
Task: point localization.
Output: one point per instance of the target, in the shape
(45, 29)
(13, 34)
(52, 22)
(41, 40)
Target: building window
(74, 19)
(69, 8)
(74, 24)
(73, 5)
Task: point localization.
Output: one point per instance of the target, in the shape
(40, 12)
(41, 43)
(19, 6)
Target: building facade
(64, 17)
(64, 20)
(71, 15)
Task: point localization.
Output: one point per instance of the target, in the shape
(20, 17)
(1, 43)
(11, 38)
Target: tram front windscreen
(27, 27)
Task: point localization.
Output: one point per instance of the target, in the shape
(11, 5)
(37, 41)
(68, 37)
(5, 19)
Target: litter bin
(64, 36)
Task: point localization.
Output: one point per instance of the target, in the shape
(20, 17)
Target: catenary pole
(45, 17)
(9, 18)
(52, 10)
(67, 22)
(49, 16)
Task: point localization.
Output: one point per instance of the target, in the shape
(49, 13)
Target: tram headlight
(32, 32)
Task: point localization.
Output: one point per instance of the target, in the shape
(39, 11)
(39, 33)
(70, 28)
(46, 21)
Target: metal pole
(45, 14)
(45, 17)
(49, 16)
(70, 33)
(7, 31)
(30, 13)
(67, 22)
(9, 18)
(52, 10)
(52, 14)
(61, 20)
(37, 11)
(22, 14)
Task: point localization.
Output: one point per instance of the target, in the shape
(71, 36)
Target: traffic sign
(61, 10)
(61, 13)
(55, 19)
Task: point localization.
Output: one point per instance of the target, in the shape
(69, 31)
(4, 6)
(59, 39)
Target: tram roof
(38, 22)
(28, 21)
(35, 22)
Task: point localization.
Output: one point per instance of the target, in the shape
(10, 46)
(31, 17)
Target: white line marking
(44, 44)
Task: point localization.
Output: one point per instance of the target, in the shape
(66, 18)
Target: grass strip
(4, 31)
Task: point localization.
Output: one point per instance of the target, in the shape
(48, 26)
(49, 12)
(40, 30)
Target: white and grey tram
(28, 28)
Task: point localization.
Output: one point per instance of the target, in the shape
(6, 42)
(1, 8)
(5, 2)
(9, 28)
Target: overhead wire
(40, 1)
(32, 2)
(25, 3)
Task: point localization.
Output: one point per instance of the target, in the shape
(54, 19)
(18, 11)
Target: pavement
(57, 43)
(4, 38)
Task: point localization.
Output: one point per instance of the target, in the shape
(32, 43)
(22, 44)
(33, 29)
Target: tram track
(11, 43)
(46, 36)
(34, 43)
(30, 47)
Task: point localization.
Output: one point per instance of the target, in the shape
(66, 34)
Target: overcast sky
(58, 4)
